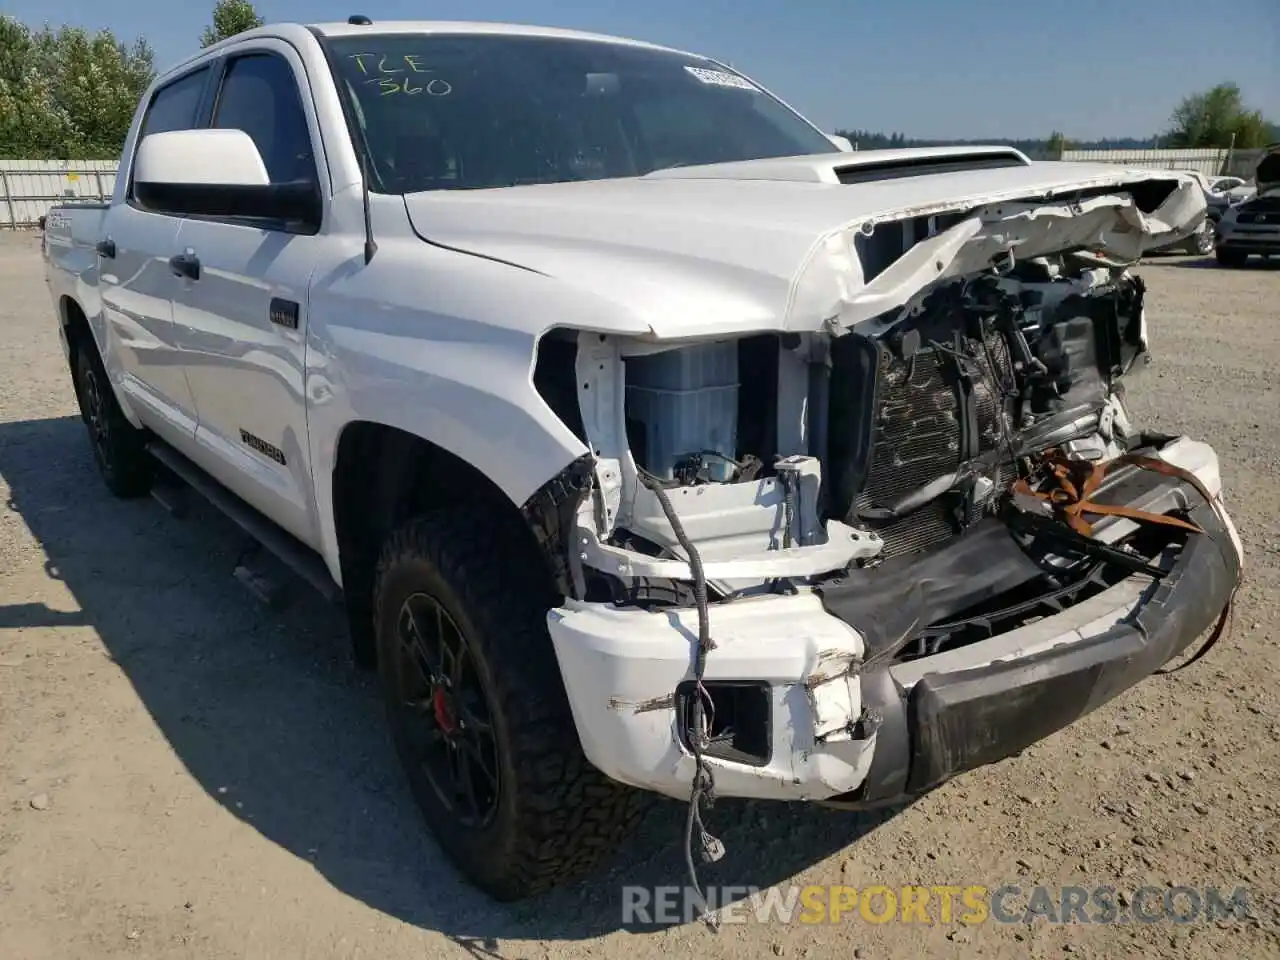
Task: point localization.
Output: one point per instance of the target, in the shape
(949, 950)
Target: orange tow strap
(1078, 480)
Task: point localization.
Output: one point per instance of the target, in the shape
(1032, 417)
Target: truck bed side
(71, 235)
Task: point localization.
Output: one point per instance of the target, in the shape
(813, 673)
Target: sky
(927, 68)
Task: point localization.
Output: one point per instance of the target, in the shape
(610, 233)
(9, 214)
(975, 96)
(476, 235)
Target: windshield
(473, 111)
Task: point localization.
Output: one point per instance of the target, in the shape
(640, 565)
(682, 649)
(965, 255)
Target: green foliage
(229, 18)
(68, 93)
(871, 140)
(1057, 144)
(1212, 117)
(1034, 148)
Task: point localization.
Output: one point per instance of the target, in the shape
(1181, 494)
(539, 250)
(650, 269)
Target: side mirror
(842, 143)
(217, 173)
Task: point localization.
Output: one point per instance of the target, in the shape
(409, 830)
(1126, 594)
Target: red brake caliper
(444, 715)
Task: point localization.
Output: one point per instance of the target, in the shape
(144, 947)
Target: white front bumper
(622, 666)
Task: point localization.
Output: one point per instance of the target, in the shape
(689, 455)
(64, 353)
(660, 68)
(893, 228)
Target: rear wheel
(1231, 258)
(118, 447)
(478, 711)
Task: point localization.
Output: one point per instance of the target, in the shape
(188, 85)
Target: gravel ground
(183, 774)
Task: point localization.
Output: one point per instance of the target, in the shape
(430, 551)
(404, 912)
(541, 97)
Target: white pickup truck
(651, 442)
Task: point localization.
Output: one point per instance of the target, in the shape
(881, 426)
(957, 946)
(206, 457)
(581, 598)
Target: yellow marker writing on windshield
(388, 66)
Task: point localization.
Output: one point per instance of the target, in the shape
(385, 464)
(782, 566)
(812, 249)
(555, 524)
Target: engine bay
(787, 458)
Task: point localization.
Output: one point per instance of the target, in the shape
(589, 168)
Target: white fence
(1211, 162)
(28, 188)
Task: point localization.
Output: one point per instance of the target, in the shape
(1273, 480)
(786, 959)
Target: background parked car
(1220, 193)
(1224, 192)
(1201, 241)
(1234, 189)
(1252, 227)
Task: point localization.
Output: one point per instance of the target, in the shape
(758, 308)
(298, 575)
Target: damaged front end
(775, 538)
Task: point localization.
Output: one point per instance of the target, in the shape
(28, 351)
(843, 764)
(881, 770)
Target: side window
(174, 106)
(260, 96)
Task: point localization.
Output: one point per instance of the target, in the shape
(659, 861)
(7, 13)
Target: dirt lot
(183, 774)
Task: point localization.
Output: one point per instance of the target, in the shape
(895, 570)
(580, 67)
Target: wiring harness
(702, 792)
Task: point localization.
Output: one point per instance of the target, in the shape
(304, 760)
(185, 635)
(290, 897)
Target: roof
(296, 32)
(343, 29)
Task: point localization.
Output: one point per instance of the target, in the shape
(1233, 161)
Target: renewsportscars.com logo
(968, 904)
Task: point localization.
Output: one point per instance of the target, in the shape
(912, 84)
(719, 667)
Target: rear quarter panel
(71, 263)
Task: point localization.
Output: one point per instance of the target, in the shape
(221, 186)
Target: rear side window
(260, 96)
(175, 105)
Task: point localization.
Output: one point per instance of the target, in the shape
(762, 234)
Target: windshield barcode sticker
(719, 78)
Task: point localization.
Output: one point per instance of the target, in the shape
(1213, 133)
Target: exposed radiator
(917, 437)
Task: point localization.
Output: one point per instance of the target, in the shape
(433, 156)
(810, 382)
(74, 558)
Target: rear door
(240, 315)
(138, 286)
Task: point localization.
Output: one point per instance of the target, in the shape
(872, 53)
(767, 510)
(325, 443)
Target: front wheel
(478, 711)
(1201, 242)
(118, 447)
(1231, 258)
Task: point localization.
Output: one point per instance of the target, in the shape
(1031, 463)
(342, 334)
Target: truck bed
(71, 235)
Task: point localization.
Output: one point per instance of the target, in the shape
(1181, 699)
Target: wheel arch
(73, 324)
(384, 475)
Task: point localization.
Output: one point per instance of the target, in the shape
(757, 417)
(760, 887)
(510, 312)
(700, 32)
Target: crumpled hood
(693, 250)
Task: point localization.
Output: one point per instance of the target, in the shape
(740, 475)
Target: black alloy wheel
(446, 718)
(95, 416)
(119, 448)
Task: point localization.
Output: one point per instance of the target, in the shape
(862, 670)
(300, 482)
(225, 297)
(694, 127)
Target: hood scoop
(859, 167)
(873, 169)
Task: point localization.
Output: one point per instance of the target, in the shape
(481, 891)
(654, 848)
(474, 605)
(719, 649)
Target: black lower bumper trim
(904, 595)
(948, 723)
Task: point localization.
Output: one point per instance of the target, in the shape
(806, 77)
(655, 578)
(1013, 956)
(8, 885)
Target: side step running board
(298, 557)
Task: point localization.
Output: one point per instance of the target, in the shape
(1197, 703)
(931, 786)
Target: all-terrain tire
(1231, 258)
(119, 448)
(557, 816)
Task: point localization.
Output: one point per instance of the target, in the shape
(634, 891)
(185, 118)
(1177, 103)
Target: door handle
(186, 265)
(106, 248)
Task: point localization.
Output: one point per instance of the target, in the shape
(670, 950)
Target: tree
(229, 18)
(67, 93)
(1057, 144)
(1212, 117)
